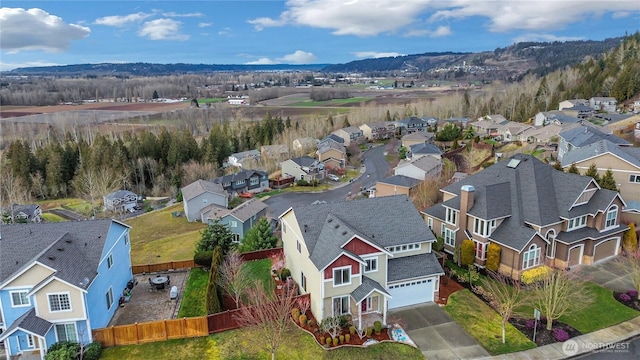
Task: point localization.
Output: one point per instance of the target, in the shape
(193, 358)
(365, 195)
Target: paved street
(376, 167)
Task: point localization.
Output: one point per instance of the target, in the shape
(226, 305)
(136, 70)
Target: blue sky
(39, 33)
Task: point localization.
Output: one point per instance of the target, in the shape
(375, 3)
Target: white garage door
(411, 292)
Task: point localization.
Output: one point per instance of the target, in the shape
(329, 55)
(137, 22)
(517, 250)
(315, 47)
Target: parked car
(246, 195)
(333, 177)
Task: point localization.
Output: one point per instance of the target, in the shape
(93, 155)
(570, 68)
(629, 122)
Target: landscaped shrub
(560, 334)
(624, 297)
(369, 331)
(347, 337)
(535, 274)
(530, 324)
(352, 330)
(630, 239)
(92, 351)
(345, 321)
(377, 326)
(302, 319)
(65, 350)
(284, 274)
(466, 252)
(493, 257)
(302, 182)
(311, 322)
(295, 313)
(335, 341)
(203, 258)
(328, 341)
(341, 337)
(632, 293)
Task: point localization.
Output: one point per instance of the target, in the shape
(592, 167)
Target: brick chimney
(467, 193)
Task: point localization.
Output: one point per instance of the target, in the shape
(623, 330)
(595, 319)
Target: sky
(44, 33)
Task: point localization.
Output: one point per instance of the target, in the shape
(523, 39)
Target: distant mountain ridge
(510, 62)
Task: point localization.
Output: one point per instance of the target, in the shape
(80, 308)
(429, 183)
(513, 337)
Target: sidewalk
(582, 344)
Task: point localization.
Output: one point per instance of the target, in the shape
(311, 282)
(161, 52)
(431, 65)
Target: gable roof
(424, 163)
(72, 248)
(326, 227)
(246, 154)
(585, 135)
(419, 135)
(241, 212)
(525, 191)
(329, 145)
(304, 161)
(30, 323)
(239, 176)
(401, 180)
(333, 137)
(425, 149)
(119, 194)
(599, 148)
(199, 187)
(414, 266)
(28, 210)
(365, 289)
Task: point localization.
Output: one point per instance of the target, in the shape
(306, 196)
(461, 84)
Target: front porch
(366, 320)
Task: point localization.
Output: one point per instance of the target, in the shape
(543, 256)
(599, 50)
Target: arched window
(551, 238)
(531, 257)
(612, 217)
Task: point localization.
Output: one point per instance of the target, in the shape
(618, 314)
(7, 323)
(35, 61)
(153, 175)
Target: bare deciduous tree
(12, 190)
(234, 278)
(630, 263)
(268, 313)
(331, 325)
(93, 183)
(559, 293)
(504, 297)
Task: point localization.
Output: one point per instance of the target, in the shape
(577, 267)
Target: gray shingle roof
(401, 180)
(425, 149)
(119, 194)
(239, 176)
(414, 266)
(245, 210)
(81, 242)
(384, 221)
(304, 161)
(587, 233)
(598, 148)
(366, 288)
(531, 192)
(30, 323)
(199, 187)
(585, 135)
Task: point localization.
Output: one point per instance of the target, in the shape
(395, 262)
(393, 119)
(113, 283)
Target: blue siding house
(239, 219)
(58, 281)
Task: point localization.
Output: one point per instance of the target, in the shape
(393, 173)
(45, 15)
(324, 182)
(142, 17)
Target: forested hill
(518, 59)
(148, 69)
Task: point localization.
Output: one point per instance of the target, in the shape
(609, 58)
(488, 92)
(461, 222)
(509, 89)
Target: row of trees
(606, 181)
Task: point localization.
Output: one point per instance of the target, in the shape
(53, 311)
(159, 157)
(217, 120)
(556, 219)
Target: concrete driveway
(436, 334)
(607, 274)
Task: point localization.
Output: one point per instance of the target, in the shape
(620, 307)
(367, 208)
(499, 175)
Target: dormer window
(483, 227)
(577, 223)
(452, 216)
(612, 216)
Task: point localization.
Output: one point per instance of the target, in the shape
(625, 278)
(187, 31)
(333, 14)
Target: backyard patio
(148, 303)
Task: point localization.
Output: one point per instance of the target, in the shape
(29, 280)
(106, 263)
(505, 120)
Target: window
(20, 298)
(531, 257)
(612, 216)
(634, 179)
(59, 302)
(442, 229)
(340, 305)
(342, 276)
(233, 223)
(482, 227)
(430, 223)
(30, 341)
(577, 223)
(254, 181)
(204, 201)
(303, 281)
(369, 302)
(240, 182)
(449, 237)
(298, 246)
(402, 248)
(126, 239)
(66, 332)
(481, 250)
(110, 261)
(452, 216)
(236, 238)
(109, 298)
(372, 265)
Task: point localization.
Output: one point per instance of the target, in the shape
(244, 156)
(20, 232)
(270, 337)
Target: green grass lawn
(194, 293)
(484, 324)
(333, 102)
(261, 270)
(158, 237)
(247, 344)
(211, 100)
(49, 217)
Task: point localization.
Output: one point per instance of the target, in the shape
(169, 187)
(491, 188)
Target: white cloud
(35, 29)
(225, 32)
(508, 15)
(263, 22)
(122, 20)
(162, 29)
(4, 66)
(375, 54)
(261, 61)
(298, 57)
(544, 38)
(438, 32)
(204, 24)
(174, 14)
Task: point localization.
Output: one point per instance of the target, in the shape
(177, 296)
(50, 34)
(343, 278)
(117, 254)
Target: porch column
(360, 315)
(384, 313)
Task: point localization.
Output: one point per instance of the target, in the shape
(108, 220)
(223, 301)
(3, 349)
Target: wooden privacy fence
(152, 331)
(260, 254)
(150, 268)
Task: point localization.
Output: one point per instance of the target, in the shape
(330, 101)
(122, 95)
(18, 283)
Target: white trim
(25, 269)
(355, 236)
(339, 255)
(20, 305)
(434, 276)
(110, 291)
(606, 218)
(341, 297)
(75, 327)
(617, 248)
(376, 258)
(603, 169)
(575, 202)
(115, 243)
(68, 293)
(581, 246)
(333, 273)
(53, 277)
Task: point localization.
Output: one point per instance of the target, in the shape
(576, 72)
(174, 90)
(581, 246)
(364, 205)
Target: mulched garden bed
(559, 332)
(354, 339)
(628, 298)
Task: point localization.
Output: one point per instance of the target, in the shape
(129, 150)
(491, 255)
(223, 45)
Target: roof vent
(330, 220)
(85, 244)
(60, 249)
(68, 241)
(344, 232)
(337, 226)
(305, 227)
(51, 258)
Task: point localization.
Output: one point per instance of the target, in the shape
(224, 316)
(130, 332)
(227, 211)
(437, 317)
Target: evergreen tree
(388, 116)
(593, 172)
(346, 123)
(215, 235)
(608, 182)
(259, 237)
(155, 95)
(557, 165)
(213, 298)
(573, 169)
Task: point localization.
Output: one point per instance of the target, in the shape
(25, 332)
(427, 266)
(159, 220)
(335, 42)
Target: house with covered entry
(354, 258)
(120, 201)
(248, 180)
(200, 194)
(303, 168)
(535, 214)
(59, 281)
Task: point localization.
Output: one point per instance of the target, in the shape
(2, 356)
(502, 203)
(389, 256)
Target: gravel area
(148, 304)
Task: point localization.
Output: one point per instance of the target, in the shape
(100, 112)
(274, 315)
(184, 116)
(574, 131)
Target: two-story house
(536, 215)
(120, 201)
(31, 213)
(350, 135)
(417, 138)
(378, 130)
(200, 194)
(254, 181)
(581, 136)
(242, 158)
(422, 168)
(332, 154)
(607, 104)
(411, 124)
(239, 219)
(58, 281)
(303, 168)
(354, 257)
